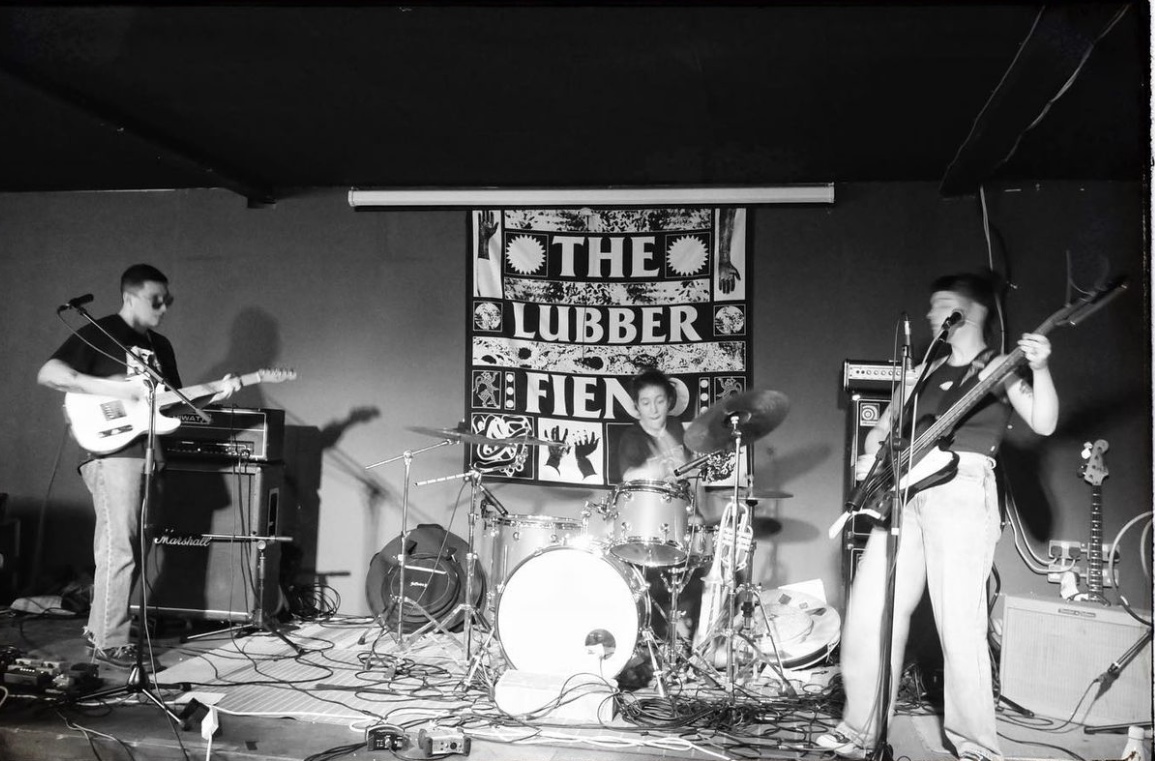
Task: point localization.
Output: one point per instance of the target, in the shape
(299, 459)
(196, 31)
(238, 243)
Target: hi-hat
(752, 414)
(476, 438)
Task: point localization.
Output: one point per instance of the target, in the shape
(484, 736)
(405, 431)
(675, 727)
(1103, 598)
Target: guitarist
(949, 531)
(88, 362)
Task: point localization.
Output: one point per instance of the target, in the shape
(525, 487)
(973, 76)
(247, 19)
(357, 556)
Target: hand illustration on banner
(574, 458)
(486, 266)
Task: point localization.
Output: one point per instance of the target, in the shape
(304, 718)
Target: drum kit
(569, 595)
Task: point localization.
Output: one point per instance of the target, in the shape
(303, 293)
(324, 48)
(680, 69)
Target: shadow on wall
(307, 449)
(254, 344)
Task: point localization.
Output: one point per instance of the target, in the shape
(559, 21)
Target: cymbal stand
(407, 456)
(468, 610)
(735, 420)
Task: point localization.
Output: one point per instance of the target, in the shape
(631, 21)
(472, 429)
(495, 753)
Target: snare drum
(567, 610)
(510, 539)
(649, 520)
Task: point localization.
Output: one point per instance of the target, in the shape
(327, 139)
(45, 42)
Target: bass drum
(569, 610)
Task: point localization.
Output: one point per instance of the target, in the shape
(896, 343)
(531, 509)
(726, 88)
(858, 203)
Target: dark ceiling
(269, 99)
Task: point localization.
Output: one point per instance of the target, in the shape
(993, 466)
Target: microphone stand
(901, 466)
(139, 682)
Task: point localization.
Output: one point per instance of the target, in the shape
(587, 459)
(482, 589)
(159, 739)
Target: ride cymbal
(752, 414)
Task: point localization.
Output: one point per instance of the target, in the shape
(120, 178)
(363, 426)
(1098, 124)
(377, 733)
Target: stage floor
(324, 683)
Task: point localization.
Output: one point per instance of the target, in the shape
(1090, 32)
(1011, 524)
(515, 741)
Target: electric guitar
(926, 461)
(1094, 471)
(105, 424)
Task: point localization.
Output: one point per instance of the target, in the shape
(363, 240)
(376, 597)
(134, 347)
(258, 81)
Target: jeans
(117, 487)
(946, 546)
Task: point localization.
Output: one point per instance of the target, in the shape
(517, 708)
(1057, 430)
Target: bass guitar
(105, 424)
(926, 461)
(1094, 471)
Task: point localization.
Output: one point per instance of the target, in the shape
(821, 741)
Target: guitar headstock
(277, 375)
(1094, 470)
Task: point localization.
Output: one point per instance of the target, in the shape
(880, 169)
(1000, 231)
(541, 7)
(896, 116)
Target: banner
(567, 305)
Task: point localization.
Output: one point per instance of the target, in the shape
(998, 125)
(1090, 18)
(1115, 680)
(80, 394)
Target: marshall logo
(183, 540)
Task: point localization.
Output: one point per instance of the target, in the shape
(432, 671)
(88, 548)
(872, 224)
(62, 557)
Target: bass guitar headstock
(1094, 470)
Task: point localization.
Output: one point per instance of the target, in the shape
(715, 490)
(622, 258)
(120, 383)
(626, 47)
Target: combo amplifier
(1058, 657)
(232, 433)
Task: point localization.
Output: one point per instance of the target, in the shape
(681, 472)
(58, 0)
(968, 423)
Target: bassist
(949, 530)
(89, 363)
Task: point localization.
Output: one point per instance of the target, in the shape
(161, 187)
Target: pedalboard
(55, 678)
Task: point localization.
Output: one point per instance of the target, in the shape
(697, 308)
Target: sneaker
(123, 657)
(843, 746)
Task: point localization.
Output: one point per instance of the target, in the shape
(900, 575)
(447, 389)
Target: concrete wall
(369, 308)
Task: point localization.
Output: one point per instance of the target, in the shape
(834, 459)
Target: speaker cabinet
(1053, 650)
(210, 556)
(863, 411)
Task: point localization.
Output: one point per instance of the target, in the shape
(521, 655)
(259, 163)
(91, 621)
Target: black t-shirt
(93, 353)
(982, 429)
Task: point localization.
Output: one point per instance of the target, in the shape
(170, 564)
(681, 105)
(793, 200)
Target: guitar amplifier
(232, 433)
(866, 375)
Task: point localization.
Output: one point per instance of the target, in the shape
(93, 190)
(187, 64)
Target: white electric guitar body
(106, 424)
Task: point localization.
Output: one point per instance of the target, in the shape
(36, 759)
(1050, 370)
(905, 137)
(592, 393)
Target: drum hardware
(737, 419)
(467, 609)
(402, 599)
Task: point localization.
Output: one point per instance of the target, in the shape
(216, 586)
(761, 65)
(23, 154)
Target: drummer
(651, 450)
(653, 447)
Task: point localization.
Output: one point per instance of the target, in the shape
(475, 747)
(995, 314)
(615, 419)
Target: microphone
(75, 303)
(905, 330)
(953, 319)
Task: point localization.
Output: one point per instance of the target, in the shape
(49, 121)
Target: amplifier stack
(232, 433)
(217, 524)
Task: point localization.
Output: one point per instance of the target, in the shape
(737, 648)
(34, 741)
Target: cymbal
(476, 438)
(753, 414)
(768, 495)
(727, 492)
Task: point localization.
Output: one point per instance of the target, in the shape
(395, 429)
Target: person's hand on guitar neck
(231, 385)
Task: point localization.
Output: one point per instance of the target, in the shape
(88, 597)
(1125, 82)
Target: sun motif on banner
(686, 255)
(525, 254)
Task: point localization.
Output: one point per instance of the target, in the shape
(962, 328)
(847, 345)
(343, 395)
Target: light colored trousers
(946, 546)
(117, 487)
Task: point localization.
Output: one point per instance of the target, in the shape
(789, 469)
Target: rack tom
(648, 522)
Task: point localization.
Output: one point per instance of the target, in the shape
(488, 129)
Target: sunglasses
(158, 301)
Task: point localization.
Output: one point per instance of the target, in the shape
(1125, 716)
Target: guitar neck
(946, 422)
(169, 398)
(1095, 549)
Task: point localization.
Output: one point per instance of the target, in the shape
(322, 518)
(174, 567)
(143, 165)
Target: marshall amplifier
(232, 433)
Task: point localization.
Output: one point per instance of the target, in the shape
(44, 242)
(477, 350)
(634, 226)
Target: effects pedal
(442, 742)
(385, 738)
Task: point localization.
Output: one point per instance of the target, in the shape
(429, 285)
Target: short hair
(139, 274)
(983, 288)
(652, 377)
